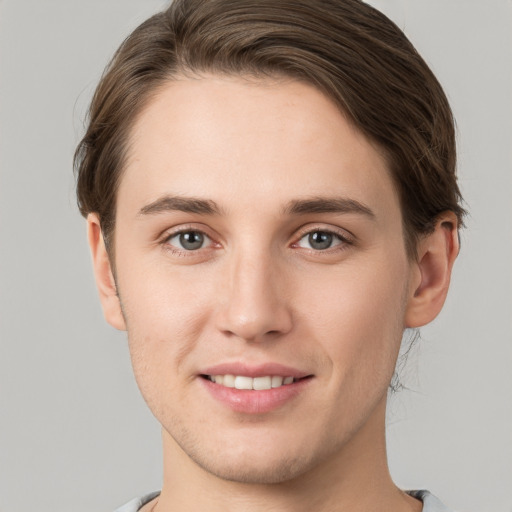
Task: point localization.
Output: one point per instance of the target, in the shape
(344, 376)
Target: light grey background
(74, 432)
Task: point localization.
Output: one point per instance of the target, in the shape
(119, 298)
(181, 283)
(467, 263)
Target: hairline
(253, 77)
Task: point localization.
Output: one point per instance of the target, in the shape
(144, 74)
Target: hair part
(347, 49)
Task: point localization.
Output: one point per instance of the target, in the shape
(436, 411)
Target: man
(271, 198)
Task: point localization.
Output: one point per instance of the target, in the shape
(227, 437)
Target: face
(261, 268)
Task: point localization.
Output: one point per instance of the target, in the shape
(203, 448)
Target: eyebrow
(328, 205)
(294, 207)
(183, 204)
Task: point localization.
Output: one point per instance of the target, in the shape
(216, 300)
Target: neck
(355, 478)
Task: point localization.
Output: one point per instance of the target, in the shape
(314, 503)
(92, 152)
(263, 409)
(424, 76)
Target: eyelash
(343, 241)
(165, 242)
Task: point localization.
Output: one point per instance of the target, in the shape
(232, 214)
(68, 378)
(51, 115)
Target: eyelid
(343, 234)
(186, 228)
(346, 237)
(206, 240)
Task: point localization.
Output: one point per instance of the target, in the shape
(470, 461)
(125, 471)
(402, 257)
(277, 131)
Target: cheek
(360, 315)
(163, 304)
(165, 315)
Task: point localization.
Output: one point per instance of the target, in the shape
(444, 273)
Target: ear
(436, 254)
(104, 275)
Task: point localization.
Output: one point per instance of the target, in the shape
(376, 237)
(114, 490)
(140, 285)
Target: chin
(255, 472)
(255, 460)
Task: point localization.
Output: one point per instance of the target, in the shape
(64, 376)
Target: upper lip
(255, 370)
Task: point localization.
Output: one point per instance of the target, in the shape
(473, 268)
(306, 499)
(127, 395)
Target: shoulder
(137, 503)
(430, 502)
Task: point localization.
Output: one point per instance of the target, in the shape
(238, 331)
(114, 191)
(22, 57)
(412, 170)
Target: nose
(254, 305)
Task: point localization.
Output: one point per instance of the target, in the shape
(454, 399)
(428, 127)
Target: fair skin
(259, 234)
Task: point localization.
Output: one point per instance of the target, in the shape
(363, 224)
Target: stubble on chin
(238, 463)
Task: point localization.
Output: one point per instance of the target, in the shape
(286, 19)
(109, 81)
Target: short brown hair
(353, 53)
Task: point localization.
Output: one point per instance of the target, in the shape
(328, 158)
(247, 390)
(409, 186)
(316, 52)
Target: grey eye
(320, 240)
(188, 240)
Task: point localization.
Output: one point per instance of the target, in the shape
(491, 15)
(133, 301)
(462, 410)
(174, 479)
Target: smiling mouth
(252, 383)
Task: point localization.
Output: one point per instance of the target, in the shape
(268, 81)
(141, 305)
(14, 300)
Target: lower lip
(249, 401)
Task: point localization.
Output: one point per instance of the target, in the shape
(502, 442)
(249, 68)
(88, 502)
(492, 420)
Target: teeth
(243, 382)
(225, 380)
(262, 383)
(277, 381)
(256, 383)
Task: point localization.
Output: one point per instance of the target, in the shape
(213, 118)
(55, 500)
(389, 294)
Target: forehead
(243, 142)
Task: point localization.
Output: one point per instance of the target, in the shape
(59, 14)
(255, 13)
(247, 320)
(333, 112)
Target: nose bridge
(255, 305)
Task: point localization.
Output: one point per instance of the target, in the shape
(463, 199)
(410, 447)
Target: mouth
(261, 383)
(255, 388)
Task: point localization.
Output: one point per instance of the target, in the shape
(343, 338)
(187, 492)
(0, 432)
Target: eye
(188, 240)
(320, 240)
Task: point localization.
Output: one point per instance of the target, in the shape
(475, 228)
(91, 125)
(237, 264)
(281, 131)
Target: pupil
(320, 240)
(191, 240)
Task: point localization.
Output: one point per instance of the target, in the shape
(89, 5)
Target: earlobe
(436, 254)
(104, 275)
